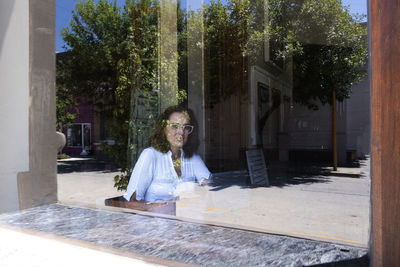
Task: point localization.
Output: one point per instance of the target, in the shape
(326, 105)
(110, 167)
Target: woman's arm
(141, 177)
(200, 170)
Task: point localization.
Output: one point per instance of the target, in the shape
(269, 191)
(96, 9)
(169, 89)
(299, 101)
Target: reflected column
(195, 61)
(168, 54)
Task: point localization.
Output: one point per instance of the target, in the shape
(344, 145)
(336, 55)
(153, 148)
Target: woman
(170, 164)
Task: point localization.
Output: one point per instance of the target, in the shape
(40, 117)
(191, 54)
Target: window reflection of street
(333, 208)
(288, 78)
(314, 205)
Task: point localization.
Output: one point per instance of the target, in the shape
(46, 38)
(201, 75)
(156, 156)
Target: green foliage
(62, 156)
(96, 37)
(227, 28)
(113, 53)
(66, 103)
(65, 111)
(327, 45)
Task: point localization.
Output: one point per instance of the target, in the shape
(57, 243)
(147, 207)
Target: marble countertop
(180, 241)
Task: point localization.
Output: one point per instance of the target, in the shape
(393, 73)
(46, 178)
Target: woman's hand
(204, 182)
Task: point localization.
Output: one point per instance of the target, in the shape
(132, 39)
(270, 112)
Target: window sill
(180, 241)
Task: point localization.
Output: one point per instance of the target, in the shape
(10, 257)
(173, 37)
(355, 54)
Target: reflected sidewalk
(317, 206)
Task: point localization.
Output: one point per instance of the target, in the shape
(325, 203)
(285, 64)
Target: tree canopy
(329, 48)
(326, 45)
(112, 54)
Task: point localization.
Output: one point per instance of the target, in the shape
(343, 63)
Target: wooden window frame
(384, 29)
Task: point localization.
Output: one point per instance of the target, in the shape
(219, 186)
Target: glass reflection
(285, 77)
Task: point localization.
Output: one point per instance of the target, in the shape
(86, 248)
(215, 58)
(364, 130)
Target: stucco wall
(14, 100)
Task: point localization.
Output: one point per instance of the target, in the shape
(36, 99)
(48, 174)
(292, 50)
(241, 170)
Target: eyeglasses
(187, 129)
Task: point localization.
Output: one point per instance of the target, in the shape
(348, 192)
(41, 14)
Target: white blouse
(155, 180)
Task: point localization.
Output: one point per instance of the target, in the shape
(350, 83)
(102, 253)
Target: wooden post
(334, 143)
(385, 143)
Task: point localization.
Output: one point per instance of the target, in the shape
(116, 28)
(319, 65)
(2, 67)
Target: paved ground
(309, 204)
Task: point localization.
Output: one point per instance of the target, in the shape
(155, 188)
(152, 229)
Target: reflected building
(241, 92)
(244, 99)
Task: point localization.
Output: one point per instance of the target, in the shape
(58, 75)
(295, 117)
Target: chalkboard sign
(257, 168)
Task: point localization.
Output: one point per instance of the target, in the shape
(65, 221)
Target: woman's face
(176, 136)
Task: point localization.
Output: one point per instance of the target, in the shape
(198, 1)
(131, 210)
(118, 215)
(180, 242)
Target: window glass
(74, 135)
(87, 136)
(273, 100)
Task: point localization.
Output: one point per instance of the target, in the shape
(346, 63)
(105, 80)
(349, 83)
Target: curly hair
(158, 139)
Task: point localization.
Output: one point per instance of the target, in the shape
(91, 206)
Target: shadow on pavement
(283, 174)
(279, 174)
(85, 164)
(293, 173)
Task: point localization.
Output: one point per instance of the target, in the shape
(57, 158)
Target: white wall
(14, 100)
(359, 118)
(259, 75)
(312, 130)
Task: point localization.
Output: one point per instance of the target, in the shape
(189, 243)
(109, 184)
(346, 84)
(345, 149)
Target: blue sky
(64, 9)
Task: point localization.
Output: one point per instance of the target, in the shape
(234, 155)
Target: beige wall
(27, 105)
(14, 100)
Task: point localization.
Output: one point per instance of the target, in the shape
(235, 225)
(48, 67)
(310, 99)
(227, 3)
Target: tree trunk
(263, 120)
(131, 134)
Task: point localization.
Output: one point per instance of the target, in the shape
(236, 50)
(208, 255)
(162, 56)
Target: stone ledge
(180, 241)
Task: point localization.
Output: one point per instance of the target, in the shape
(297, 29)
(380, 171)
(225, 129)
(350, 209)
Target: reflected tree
(328, 47)
(91, 70)
(325, 45)
(114, 63)
(113, 54)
